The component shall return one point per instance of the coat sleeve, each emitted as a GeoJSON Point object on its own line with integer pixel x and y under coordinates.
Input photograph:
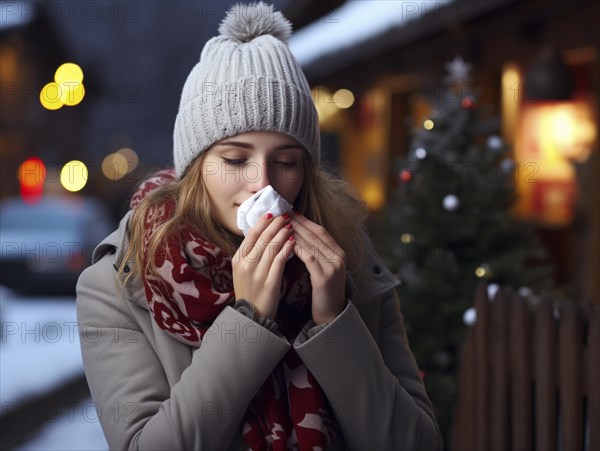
{"type": "Point", "coordinates": [374, 389]}
{"type": "Point", "coordinates": [137, 407]}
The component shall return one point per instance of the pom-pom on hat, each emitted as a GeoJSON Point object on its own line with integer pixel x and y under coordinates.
{"type": "Point", "coordinates": [247, 79]}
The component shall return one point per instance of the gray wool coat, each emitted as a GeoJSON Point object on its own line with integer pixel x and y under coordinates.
{"type": "Point", "coordinates": [154, 392]}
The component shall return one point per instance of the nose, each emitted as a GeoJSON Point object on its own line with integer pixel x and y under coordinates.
{"type": "Point", "coordinates": [259, 178]}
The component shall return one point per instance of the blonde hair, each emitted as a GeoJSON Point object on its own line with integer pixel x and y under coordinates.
{"type": "Point", "coordinates": [324, 199]}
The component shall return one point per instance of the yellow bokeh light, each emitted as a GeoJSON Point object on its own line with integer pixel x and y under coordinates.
{"type": "Point", "coordinates": [114, 166]}
{"type": "Point", "coordinates": [131, 157]}
{"type": "Point", "coordinates": [373, 194]}
{"type": "Point", "coordinates": [480, 272]}
{"type": "Point", "coordinates": [71, 92]}
{"type": "Point", "coordinates": [406, 238]}
{"type": "Point", "coordinates": [571, 128]}
{"type": "Point", "coordinates": [324, 103]}
{"type": "Point", "coordinates": [74, 175]}
{"type": "Point", "coordinates": [344, 97]}
{"type": "Point", "coordinates": [50, 96]}
{"type": "Point", "coordinates": [68, 72]}
{"type": "Point", "coordinates": [321, 94]}
{"type": "Point", "coordinates": [428, 124]}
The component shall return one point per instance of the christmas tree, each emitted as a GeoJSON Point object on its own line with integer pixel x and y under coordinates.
{"type": "Point", "coordinates": [449, 227]}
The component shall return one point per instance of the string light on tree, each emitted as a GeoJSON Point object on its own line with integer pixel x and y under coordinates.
{"type": "Point", "coordinates": [406, 238]}
{"type": "Point", "coordinates": [483, 271]}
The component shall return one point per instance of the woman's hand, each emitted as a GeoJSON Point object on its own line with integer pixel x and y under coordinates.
{"type": "Point", "coordinates": [258, 264]}
{"type": "Point", "coordinates": [326, 263]}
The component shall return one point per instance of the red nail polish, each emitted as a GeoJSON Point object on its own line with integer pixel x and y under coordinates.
{"type": "Point", "coordinates": [268, 216]}
{"type": "Point", "coordinates": [291, 238]}
{"type": "Point", "coordinates": [288, 226]}
{"type": "Point", "coordinates": [297, 213]}
{"type": "Point", "coordinates": [286, 216]}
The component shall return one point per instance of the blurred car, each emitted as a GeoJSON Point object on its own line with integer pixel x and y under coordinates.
{"type": "Point", "coordinates": [45, 246]}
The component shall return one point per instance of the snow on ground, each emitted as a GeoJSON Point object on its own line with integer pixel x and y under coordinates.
{"type": "Point", "coordinates": [39, 345]}
{"type": "Point", "coordinates": [39, 351]}
{"type": "Point", "coordinates": [76, 429]}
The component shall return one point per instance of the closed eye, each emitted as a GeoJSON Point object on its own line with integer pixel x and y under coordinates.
{"type": "Point", "coordinates": [234, 162]}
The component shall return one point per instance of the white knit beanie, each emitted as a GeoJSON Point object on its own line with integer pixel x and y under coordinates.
{"type": "Point", "coordinates": [247, 79]}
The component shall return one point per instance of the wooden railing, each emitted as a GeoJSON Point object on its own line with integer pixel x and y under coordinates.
{"type": "Point", "coordinates": [529, 378]}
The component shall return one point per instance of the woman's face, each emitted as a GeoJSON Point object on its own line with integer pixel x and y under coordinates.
{"type": "Point", "coordinates": [237, 167]}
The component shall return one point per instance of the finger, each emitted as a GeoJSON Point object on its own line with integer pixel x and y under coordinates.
{"type": "Point", "coordinates": [329, 252]}
{"type": "Point", "coordinates": [261, 234]}
{"type": "Point", "coordinates": [273, 247]}
{"type": "Point", "coordinates": [254, 233]}
{"type": "Point", "coordinates": [281, 258]}
{"type": "Point", "coordinates": [304, 232]}
{"type": "Point", "coordinates": [313, 227]}
{"type": "Point", "coordinates": [270, 233]}
{"type": "Point", "coordinates": [315, 232]}
{"type": "Point", "coordinates": [310, 257]}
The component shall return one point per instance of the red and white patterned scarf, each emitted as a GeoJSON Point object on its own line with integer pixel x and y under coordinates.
{"type": "Point", "coordinates": [194, 285]}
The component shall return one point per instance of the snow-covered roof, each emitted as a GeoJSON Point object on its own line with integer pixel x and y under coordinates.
{"type": "Point", "coordinates": [360, 29]}
{"type": "Point", "coordinates": [354, 22]}
{"type": "Point", "coordinates": [13, 14]}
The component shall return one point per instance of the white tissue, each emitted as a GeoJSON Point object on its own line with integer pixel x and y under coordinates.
{"type": "Point", "coordinates": [264, 201]}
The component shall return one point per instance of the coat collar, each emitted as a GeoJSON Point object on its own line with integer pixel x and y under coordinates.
{"type": "Point", "coordinates": [366, 284]}
{"type": "Point", "coordinates": [116, 243]}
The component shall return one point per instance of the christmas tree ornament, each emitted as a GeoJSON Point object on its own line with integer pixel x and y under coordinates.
{"type": "Point", "coordinates": [451, 202]}
{"type": "Point", "coordinates": [470, 316]}
{"type": "Point", "coordinates": [495, 143]}
{"type": "Point", "coordinates": [525, 292]}
{"type": "Point", "coordinates": [492, 289]}
{"type": "Point", "coordinates": [468, 103]}
{"type": "Point", "coordinates": [507, 165]}
{"type": "Point", "coordinates": [405, 175]}
{"type": "Point", "coordinates": [420, 153]}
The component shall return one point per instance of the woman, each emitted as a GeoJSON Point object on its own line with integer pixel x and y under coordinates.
{"type": "Point", "coordinates": [195, 336]}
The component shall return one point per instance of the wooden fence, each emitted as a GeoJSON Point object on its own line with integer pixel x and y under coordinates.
{"type": "Point", "coordinates": [529, 379]}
